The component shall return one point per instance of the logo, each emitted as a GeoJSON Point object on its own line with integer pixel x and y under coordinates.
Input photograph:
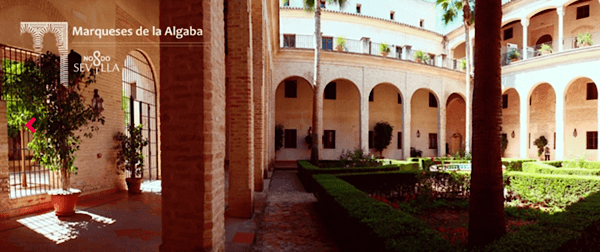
{"type": "Point", "coordinates": [97, 62]}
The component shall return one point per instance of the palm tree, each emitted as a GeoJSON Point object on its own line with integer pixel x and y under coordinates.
{"type": "Point", "coordinates": [310, 5]}
{"type": "Point", "coordinates": [451, 10]}
{"type": "Point", "coordinates": [486, 213]}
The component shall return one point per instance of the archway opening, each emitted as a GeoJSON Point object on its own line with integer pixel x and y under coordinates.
{"type": "Point", "coordinates": [581, 119]}
{"type": "Point", "coordinates": [455, 124]}
{"type": "Point", "coordinates": [542, 122]}
{"type": "Point", "coordinates": [385, 105]}
{"type": "Point", "coordinates": [341, 106]}
{"type": "Point", "coordinates": [511, 122]}
{"type": "Point", "coordinates": [424, 122]}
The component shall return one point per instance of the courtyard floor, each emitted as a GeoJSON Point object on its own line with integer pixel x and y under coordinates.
{"type": "Point", "coordinates": [285, 220]}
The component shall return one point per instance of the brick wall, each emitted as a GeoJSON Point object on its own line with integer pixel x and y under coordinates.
{"type": "Point", "coordinates": [258, 92]}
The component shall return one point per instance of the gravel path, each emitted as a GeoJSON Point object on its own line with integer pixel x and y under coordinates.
{"type": "Point", "coordinates": [290, 221]}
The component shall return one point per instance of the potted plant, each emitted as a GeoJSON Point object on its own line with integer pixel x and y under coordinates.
{"type": "Point", "coordinates": [540, 143]}
{"type": "Point", "coordinates": [340, 44]}
{"type": "Point", "coordinates": [129, 155]}
{"type": "Point", "coordinates": [546, 49]}
{"type": "Point", "coordinates": [61, 114]}
{"type": "Point", "coordinates": [504, 145]}
{"type": "Point", "coordinates": [383, 136]}
{"type": "Point", "coordinates": [384, 49]}
{"type": "Point", "coordinates": [514, 56]}
{"type": "Point", "coordinates": [421, 57]}
{"type": "Point", "coordinates": [463, 64]}
{"type": "Point", "coordinates": [585, 39]}
{"type": "Point", "coordinates": [278, 137]}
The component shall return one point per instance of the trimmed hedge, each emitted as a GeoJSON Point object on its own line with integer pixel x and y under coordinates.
{"type": "Point", "coordinates": [566, 231]}
{"type": "Point", "coordinates": [553, 190]}
{"type": "Point", "coordinates": [541, 168]}
{"type": "Point", "coordinates": [306, 170]}
{"type": "Point", "coordinates": [365, 224]}
{"type": "Point", "coordinates": [555, 163]}
{"type": "Point", "coordinates": [581, 164]}
{"type": "Point", "coordinates": [515, 164]}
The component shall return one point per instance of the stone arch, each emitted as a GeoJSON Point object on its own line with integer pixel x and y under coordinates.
{"type": "Point", "coordinates": [510, 20]}
{"type": "Point", "coordinates": [455, 123]}
{"type": "Point", "coordinates": [387, 106]}
{"type": "Point", "coordinates": [511, 121]}
{"type": "Point", "coordinates": [540, 9]}
{"type": "Point", "coordinates": [341, 118]}
{"type": "Point", "coordinates": [541, 114]}
{"type": "Point", "coordinates": [425, 122]}
{"type": "Point", "coordinates": [581, 116]}
{"type": "Point", "coordinates": [544, 39]}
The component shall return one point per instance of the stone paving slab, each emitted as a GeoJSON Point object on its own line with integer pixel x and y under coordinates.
{"type": "Point", "coordinates": [290, 221]}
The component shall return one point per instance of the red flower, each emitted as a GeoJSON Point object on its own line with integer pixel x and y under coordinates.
{"type": "Point", "coordinates": [441, 229]}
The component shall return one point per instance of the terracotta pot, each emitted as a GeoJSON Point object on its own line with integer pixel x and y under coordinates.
{"type": "Point", "coordinates": [64, 202]}
{"type": "Point", "coordinates": [584, 44]}
{"type": "Point", "coordinates": [339, 48]}
{"type": "Point", "coordinates": [133, 185]}
{"type": "Point", "coordinates": [419, 60]}
{"type": "Point", "coordinates": [384, 54]}
{"type": "Point", "coordinates": [546, 52]}
{"type": "Point", "coordinates": [513, 60]}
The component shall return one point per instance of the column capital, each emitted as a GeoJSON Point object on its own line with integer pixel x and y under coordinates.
{"type": "Point", "coordinates": [560, 10]}
{"type": "Point", "coordinates": [525, 22]}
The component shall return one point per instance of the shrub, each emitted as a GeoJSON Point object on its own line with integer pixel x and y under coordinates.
{"type": "Point", "coordinates": [585, 38]}
{"type": "Point", "coordinates": [357, 158]}
{"type": "Point", "coordinates": [541, 168]}
{"type": "Point", "coordinates": [422, 56]}
{"type": "Point", "coordinates": [540, 143]}
{"type": "Point", "coordinates": [463, 64]}
{"type": "Point", "coordinates": [383, 48]}
{"type": "Point", "coordinates": [546, 48]}
{"type": "Point", "coordinates": [555, 163]}
{"type": "Point", "coordinates": [514, 55]}
{"type": "Point", "coordinates": [415, 153]}
{"type": "Point", "coordinates": [341, 41]}
{"type": "Point", "coordinates": [515, 164]}
{"type": "Point", "coordinates": [383, 136]}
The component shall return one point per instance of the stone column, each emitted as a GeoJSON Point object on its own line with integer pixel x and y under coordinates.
{"type": "Point", "coordinates": [406, 131]}
{"type": "Point", "coordinates": [523, 115]}
{"type": "Point", "coordinates": [259, 90]}
{"type": "Point", "coordinates": [192, 128]}
{"type": "Point", "coordinates": [364, 122]}
{"type": "Point", "coordinates": [442, 128]}
{"type": "Point", "coordinates": [241, 128]}
{"type": "Point", "coordinates": [561, 14]}
{"type": "Point", "coordinates": [524, 23]}
{"type": "Point", "coordinates": [560, 125]}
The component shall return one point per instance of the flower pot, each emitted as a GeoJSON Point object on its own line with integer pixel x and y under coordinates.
{"type": "Point", "coordinates": [64, 202]}
{"type": "Point", "coordinates": [384, 54]}
{"type": "Point", "coordinates": [585, 44]}
{"type": "Point", "coordinates": [546, 52]}
{"type": "Point", "coordinates": [419, 60]}
{"type": "Point", "coordinates": [339, 48]}
{"type": "Point", "coordinates": [513, 60]}
{"type": "Point", "coordinates": [133, 185]}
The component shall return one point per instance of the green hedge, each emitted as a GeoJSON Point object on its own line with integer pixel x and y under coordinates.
{"type": "Point", "coordinates": [555, 163]}
{"type": "Point", "coordinates": [361, 223]}
{"type": "Point", "coordinates": [565, 231]}
{"type": "Point", "coordinates": [306, 170]}
{"type": "Point", "coordinates": [581, 164]}
{"type": "Point", "coordinates": [554, 190]}
{"type": "Point", "coordinates": [542, 168]}
{"type": "Point", "coordinates": [515, 164]}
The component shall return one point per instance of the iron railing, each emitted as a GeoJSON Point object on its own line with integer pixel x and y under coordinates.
{"type": "Point", "coordinates": [26, 176]}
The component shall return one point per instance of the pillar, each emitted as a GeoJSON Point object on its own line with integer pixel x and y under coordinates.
{"type": "Point", "coordinates": [259, 88]}
{"type": "Point", "coordinates": [598, 124]}
{"type": "Point", "coordinates": [561, 14]}
{"type": "Point", "coordinates": [523, 115]}
{"type": "Point", "coordinates": [524, 23]}
{"type": "Point", "coordinates": [406, 131]}
{"type": "Point", "coordinates": [4, 178]}
{"type": "Point", "coordinates": [442, 128]}
{"type": "Point", "coordinates": [364, 121]}
{"type": "Point", "coordinates": [241, 131]}
{"type": "Point", "coordinates": [560, 125]}
{"type": "Point", "coordinates": [192, 136]}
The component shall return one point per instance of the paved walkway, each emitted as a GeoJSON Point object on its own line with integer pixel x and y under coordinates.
{"type": "Point", "coordinates": [290, 221]}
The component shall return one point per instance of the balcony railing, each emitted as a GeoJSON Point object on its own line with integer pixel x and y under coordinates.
{"type": "Point", "coordinates": [363, 46]}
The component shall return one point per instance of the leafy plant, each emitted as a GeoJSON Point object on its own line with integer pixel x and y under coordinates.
{"type": "Point", "coordinates": [383, 136]}
{"type": "Point", "coordinates": [341, 41]}
{"type": "Point", "coordinates": [308, 138]}
{"type": "Point", "coordinates": [125, 107]}
{"type": "Point", "coordinates": [129, 150]}
{"type": "Point", "coordinates": [463, 64]}
{"type": "Point", "coordinates": [584, 38]}
{"type": "Point", "coordinates": [514, 55]}
{"type": "Point", "coordinates": [540, 143]}
{"type": "Point", "coordinates": [415, 153]}
{"type": "Point", "coordinates": [424, 57]}
{"type": "Point", "coordinates": [504, 144]}
{"type": "Point", "coordinates": [384, 48]}
{"type": "Point", "coordinates": [60, 112]}
{"type": "Point", "coordinates": [358, 158]}
{"type": "Point", "coordinates": [278, 137]}
{"type": "Point", "coordinates": [545, 48]}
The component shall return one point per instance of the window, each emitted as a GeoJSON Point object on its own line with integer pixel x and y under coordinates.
{"type": "Point", "coordinates": [322, 4]}
{"type": "Point", "coordinates": [289, 41]}
{"type": "Point", "coordinates": [431, 59]}
{"type": "Point", "coordinates": [399, 99]}
{"type": "Point", "coordinates": [330, 91]}
{"type": "Point", "coordinates": [504, 101]}
{"type": "Point", "coordinates": [421, 23]}
{"type": "Point", "coordinates": [290, 138]}
{"type": "Point", "coordinates": [508, 33]}
{"type": "Point", "coordinates": [290, 89]}
{"type": "Point", "coordinates": [329, 139]}
{"type": "Point", "coordinates": [371, 139]}
{"type": "Point", "coordinates": [399, 140]}
{"type": "Point", "coordinates": [432, 101]}
{"type": "Point", "coordinates": [371, 96]}
{"type": "Point", "coordinates": [327, 43]}
{"type": "Point", "coordinates": [432, 141]}
{"type": "Point", "coordinates": [358, 8]}
{"type": "Point", "coordinates": [583, 11]}
{"type": "Point", "coordinates": [398, 52]}
{"type": "Point", "coordinates": [592, 92]}
{"type": "Point", "coordinates": [592, 140]}
{"type": "Point", "coordinates": [392, 15]}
